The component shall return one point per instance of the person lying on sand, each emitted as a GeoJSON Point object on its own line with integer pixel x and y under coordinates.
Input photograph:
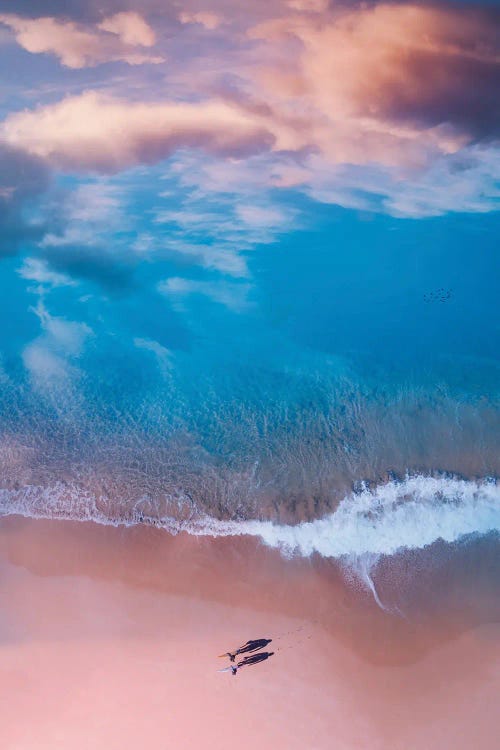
{"type": "Point", "coordinates": [249, 646]}
{"type": "Point", "coordinates": [248, 660]}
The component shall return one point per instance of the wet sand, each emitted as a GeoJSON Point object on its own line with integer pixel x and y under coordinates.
{"type": "Point", "coordinates": [109, 639]}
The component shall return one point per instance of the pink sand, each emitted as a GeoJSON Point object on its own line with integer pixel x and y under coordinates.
{"type": "Point", "coordinates": [110, 640]}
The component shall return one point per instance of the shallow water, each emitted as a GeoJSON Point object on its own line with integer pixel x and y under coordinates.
{"type": "Point", "coordinates": [123, 406]}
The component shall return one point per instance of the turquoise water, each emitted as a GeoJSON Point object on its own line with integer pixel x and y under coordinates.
{"type": "Point", "coordinates": [362, 350]}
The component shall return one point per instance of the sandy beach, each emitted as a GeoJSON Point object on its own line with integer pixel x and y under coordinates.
{"type": "Point", "coordinates": [110, 640]}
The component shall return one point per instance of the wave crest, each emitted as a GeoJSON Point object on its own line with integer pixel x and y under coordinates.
{"type": "Point", "coordinates": [390, 518]}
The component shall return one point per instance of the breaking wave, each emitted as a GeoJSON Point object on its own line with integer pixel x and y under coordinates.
{"type": "Point", "coordinates": [384, 520]}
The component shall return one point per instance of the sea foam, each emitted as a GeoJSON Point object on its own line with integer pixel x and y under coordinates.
{"type": "Point", "coordinates": [384, 520]}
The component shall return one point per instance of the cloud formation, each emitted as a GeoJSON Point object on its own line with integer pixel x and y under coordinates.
{"type": "Point", "coordinates": [391, 83]}
{"type": "Point", "coordinates": [387, 83]}
{"type": "Point", "coordinates": [78, 46]}
{"type": "Point", "coordinates": [50, 358]}
{"type": "Point", "coordinates": [162, 355]}
{"type": "Point", "coordinates": [38, 270]}
{"type": "Point", "coordinates": [354, 104]}
{"type": "Point", "coordinates": [221, 211]}
{"type": "Point", "coordinates": [230, 294]}
{"type": "Point", "coordinates": [131, 28]}
{"type": "Point", "coordinates": [206, 19]}
{"type": "Point", "coordinates": [97, 132]}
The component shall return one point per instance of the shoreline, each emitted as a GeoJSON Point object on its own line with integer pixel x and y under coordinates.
{"type": "Point", "coordinates": [133, 620]}
{"type": "Point", "coordinates": [398, 516]}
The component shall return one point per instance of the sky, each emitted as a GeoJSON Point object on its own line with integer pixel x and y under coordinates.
{"type": "Point", "coordinates": [244, 208]}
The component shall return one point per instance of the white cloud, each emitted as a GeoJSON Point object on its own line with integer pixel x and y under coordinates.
{"type": "Point", "coordinates": [464, 182]}
{"type": "Point", "coordinates": [46, 368]}
{"type": "Point", "coordinates": [218, 257]}
{"type": "Point", "coordinates": [231, 295]}
{"type": "Point", "coordinates": [49, 358]}
{"type": "Point", "coordinates": [91, 212]}
{"type": "Point", "coordinates": [262, 217]}
{"type": "Point", "coordinates": [36, 269]}
{"type": "Point", "coordinates": [144, 244]}
{"type": "Point", "coordinates": [162, 355]}
{"type": "Point", "coordinates": [65, 336]}
{"type": "Point", "coordinates": [223, 210]}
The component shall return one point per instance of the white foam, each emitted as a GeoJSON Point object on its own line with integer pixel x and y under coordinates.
{"type": "Point", "coordinates": [411, 514]}
{"type": "Point", "coordinates": [398, 515]}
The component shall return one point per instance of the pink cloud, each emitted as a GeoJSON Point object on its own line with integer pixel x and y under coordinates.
{"type": "Point", "coordinates": [97, 132]}
{"type": "Point", "coordinates": [318, 87]}
{"type": "Point", "coordinates": [309, 6]}
{"type": "Point", "coordinates": [386, 73]}
{"type": "Point", "coordinates": [80, 46]}
{"type": "Point", "coordinates": [392, 84]}
{"type": "Point", "coordinates": [131, 28]}
{"type": "Point", "coordinates": [207, 19]}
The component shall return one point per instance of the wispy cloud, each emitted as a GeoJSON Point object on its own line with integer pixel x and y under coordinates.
{"type": "Point", "coordinates": [466, 181]}
{"type": "Point", "coordinates": [50, 358]}
{"type": "Point", "coordinates": [38, 270]}
{"type": "Point", "coordinates": [78, 46]}
{"type": "Point", "coordinates": [162, 355]}
{"type": "Point", "coordinates": [223, 210]}
{"type": "Point", "coordinates": [88, 214]}
{"type": "Point", "coordinates": [230, 294]}
{"type": "Point", "coordinates": [207, 19]}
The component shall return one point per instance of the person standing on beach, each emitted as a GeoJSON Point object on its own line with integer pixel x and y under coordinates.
{"type": "Point", "coordinates": [248, 647]}
{"type": "Point", "coordinates": [249, 660]}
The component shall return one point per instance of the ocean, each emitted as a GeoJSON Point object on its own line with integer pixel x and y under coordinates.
{"type": "Point", "coordinates": [342, 401]}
